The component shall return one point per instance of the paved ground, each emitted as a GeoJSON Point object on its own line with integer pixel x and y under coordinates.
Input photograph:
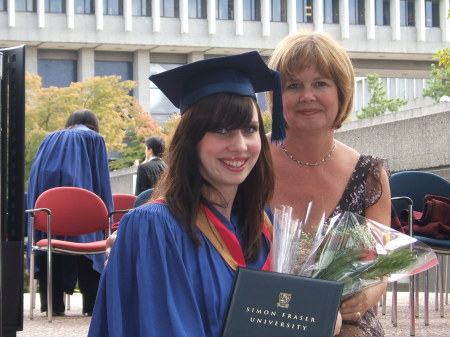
{"type": "Point", "coordinates": [73, 324]}
{"type": "Point", "coordinates": [439, 327]}
{"type": "Point", "coordinates": [76, 325]}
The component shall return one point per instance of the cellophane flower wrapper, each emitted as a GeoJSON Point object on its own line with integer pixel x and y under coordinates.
{"type": "Point", "coordinates": [348, 248]}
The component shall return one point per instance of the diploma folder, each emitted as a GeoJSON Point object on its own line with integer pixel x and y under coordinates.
{"type": "Point", "coordinates": [269, 304]}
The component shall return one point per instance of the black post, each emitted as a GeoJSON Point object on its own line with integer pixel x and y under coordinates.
{"type": "Point", "coordinates": [12, 162]}
{"type": "Point", "coordinates": [1, 224]}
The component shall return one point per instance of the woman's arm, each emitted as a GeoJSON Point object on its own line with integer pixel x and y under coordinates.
{"type": "Point", "coordinates": [381, 210]}
{"type": "Point", "coordinates": [356, 306]}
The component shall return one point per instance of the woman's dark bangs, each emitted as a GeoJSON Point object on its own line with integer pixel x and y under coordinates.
{"type": "Point", "coordinates": [234, 112]}
{"type": "Point", "coordinates": [222, 111]}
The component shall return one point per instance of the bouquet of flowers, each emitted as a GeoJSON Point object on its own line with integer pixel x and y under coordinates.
{"type": "Point", "coordinates": [348, 248]}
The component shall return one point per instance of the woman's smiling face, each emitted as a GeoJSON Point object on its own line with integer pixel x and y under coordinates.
{"type": "Point", "coordinates": [228, 156]}
{"type": "Point", "coordinates": [310, 100]}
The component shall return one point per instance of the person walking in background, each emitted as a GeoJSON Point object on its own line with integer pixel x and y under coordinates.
{"type": "Point", "coordinates": [151, 169]}
{"type": "Point", "coordinates": [310, 165]}
{"type": "Point", "coordinates": [74, 156]}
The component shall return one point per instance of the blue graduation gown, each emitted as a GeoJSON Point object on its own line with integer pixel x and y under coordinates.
{"type": "Point", "coordinates": [71, 157]}
{"type": "Point", "coordinates": [158, 283]}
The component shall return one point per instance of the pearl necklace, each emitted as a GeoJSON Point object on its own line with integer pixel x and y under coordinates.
{"type": "Point", "coordinates": [323, 160]}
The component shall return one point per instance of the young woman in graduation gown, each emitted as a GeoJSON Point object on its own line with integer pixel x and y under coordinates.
{"type": "Point", "coordinates": [171, 268]}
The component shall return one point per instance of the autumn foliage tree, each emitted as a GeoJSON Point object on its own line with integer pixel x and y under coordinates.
{"type": "Point", "coordinates": [123, 123]}
{"type": "Point", "coordinates": [135, 138]}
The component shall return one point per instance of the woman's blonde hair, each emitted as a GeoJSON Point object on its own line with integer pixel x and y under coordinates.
{"type": "Point", "coordinates": [303, 50]}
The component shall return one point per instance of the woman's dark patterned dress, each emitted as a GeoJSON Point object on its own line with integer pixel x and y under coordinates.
{"type": "Point", "coordinates": [363, 190]}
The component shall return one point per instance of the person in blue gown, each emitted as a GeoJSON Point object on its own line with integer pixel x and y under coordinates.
{"type": "Point", "coordinates": [172, 266]}
{"type": "Point", "coordinates": [73, 156]}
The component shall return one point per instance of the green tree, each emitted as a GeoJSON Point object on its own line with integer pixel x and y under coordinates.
{"type": "Point", "coordinates": [438, 84]}
{"type": "Point", "coordinates": [378, 103]}
{"type": "Point", "coordinates": [443, 55]}
{"type": "Point", "coordinates": [120, 116]}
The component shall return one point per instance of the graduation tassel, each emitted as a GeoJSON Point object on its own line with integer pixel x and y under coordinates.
{"type": "Point", "coordinates": [278, 123]}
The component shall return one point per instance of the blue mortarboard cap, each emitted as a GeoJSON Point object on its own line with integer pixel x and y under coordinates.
{"type": "Point", "coordinates": [243, 74]}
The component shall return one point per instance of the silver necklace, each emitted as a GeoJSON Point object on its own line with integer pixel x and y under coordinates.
{"type": "Point", "coordinates": [323, 160]}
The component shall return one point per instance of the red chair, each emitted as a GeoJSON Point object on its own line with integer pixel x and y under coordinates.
{"type": "Point", "coordinates": [122, 204]}
{"type": "Point", "coordinates": [66, 211]}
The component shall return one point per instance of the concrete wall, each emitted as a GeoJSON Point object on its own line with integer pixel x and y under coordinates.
{"type": "Point", "coordinates": [416, 139]}
{"type": "Point", "coordinates": [123, 181]}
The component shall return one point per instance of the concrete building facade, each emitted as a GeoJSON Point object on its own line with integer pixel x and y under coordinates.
{"type": "Point", "coordinates": [72, 40]}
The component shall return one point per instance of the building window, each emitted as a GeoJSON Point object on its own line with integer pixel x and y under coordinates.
{"type": "Point", "coordinates": [331, 11]}
{"type": "Point", "coordinates": [170, 9]}
{"type": "Point", "coordinates": [197, 9]}
{"type": "Point", "coordinates": [116, 68]}
{"type": "Point", "coordinates": [382, 13]}
{"type": "Point", "coordinates": [141, 7]}
{"type": "Point", "coordinates": [55, 6]}
{"type": "Point", "coordinates": [407, 13]}
{"type": "Point", "coordinates": [160, 106]}
{"type": "Point", "coordinates": [25, 5]}
{"type": "Point", "coordinates": [252, 10]}
{"type": "Point", "coordinates": [356, 12]}
{"type": "Point", "coordinates": [57, 73]}
{"type": "Point", "coordinates": [225, 10]}
{"type": "Point", "coordinates": [279, 8]}
{"type": "Point", "coordinates": [261, 99]}
{"type": "Point", "coordinates": [119, 68]}
{"type": "Point", "coordinates": [431, 13]}
{"type": "Point", "coordinates": [3, 6]}
{"type": "Point", "coordinates": [84, 6]}
{"type": "Point", "coordinates": [112, 7]}
{"type": "Point", "coordinates": [304, 11]}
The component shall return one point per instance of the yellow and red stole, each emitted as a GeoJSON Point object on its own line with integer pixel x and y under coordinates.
{"type": "Point", "coordinates": [225, 242]}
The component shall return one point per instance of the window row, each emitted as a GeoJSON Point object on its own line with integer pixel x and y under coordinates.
{"type": "Point", "coordinates": [61, 73]}
{"type": "Point", "coordinates": [252, 10]}
{"type": "Point", "coordinates": [406, 88]}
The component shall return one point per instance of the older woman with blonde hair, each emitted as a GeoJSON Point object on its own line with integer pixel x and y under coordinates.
{"type": "Point", "coordinates": [311, 165]}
